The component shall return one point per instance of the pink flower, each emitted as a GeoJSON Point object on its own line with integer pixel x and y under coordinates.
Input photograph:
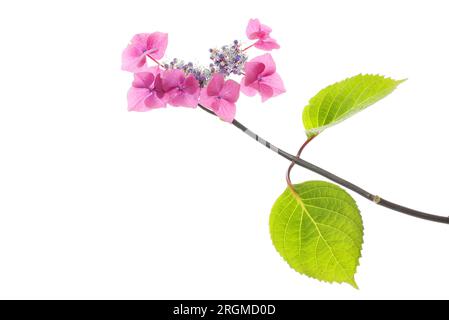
{"type": "Point", "coordinates": [260, 76]}
{"type": "Point", "coordinates": [221, 96]}
{"type": "Point", "coordinates": [261, 32]}
{"type": "Point", "coordinates": [146, 92]}
{"type": "Point", "coordinates": [141, 46]}
{"type": "Point", "coordinates": [181, 91]}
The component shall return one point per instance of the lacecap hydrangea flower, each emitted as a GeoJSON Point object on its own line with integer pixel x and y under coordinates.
{"type": "Point", "coordinates": [261, 77]}
{"type": "Point", "coordinates": [261, 33]}
{"type": "Point", "coordinates": [144, 45]}
{"type": "Point", "coordinates": [183, 84]}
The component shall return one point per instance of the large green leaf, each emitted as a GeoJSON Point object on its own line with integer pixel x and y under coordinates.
{"type": "Point", "coordinates": [343, 99]}
{"type": "Point", "coordinates": [318, 230]}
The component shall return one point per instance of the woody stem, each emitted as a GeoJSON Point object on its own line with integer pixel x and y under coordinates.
{"type": "Point", "coordinates": [300, 162]}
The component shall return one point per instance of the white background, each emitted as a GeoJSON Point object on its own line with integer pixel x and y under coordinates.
{"type": "Point", "coordinates": [96, 202]}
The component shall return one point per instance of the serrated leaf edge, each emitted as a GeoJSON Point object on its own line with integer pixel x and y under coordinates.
{"type": "Point", "coordinates": [315, 131]}
{"type": "Point", "coordinates": [351, 282]}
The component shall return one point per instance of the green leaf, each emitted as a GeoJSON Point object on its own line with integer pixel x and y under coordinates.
{"type": "Point", "coordinates": [343, 99]}
{"type": "Point", "coordinates": [319, 231]}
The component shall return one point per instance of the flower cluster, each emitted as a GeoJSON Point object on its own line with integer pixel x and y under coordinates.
{"type": "Point", "coordinates": [203, 75]}
{"type": "Point", "coordinates": [182, 84]}
{"type": "Point", "coordinates": [229, 59]}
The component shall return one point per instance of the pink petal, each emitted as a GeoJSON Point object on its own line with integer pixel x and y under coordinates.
{"type": "Point", "coordinates": [172, 79]}
{"type": "Point", "coordinates": [256, 30]}
{"type": "Point", "coordinates": [191, 85]}
{"type": "Point", "coordinates": [134, 56]}
{"type": "Point", "coordinates": [268, 62]}
{"type": "Point", "coordinates": [224, 109]}
{"type": "Point", "coordinates": [157, 44]}
{"type": "Point", "coordinates": [252, 29]}
{"type": "Point", "coordinates": [207, 100]}
{"type": "Point", "coordinates": [265, 29]}
{"type": "Point", "coordinates": [266, 92]}
{"type": "Point", "coordinates": [186, 94]}
{"type": "Point", "coordinates": [158, 87]}
{"type": "Point", "coordinates": [143, 80]}
{"type": "Point", "coordinates": [153, 102]}
{"type": "Point", "coordinates": [275, 82]}
{"type": "Point", "coordinates": [249, 90]}
{"type": "Point", "coordinates": [267, 44]}
{"type": "Point", "coordinates": [215, 85]}
{"type": "Point", "coordinates": [230, 91]}
{"type": "Point", "coordinates": [183, 99]}
{"type": "Point", "coordinates": [136, 99]}
{"type": "Point", "coordinates": [133, 59]}
{"type": "Point", "coordinates": [140, 40]}
{"type": "Point", "coordinates": [252, 71]}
